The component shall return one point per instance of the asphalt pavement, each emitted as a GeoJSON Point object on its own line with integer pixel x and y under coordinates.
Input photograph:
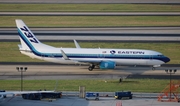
{"type": "Point", "coordinates": [76, 101]}
{"type": "Point", "coordinates": [45, 72]}
{"type": "Point", "coordinates": [123, 34]}
{"type": "Point", "coordinates": [95, 1]}
{"type": "Point", "coordinates": [89, 13]}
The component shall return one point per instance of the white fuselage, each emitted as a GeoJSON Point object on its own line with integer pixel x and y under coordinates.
{"type": "Point", "coordinates": [105, 58]}
{"type": "Point", "coordinates": [121, 56]}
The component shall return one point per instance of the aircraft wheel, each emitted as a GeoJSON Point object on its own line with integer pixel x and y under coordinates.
{"type": "Point", "coordinates": [90, 68]}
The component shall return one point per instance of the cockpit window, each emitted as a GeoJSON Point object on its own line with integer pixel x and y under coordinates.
{"type": "Point", "coordinates": [160, 55]}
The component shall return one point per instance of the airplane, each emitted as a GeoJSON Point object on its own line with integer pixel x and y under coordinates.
{"type": "Point", "coordinates": [104, 58]}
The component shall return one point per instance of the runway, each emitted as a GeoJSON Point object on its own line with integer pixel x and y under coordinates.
{"type": "Point", "coordinates": [94, 1]}
{"type": "Point", "coordinates": [89, 13]}
{"type": "Point", "coordinates": [123, 34]}
{"type": "Point", "coordinates": [54, 72]}
{"type": "Point", "coordinates": [90, 31]}
{"type": "Point", "coordinates": [76, 101]}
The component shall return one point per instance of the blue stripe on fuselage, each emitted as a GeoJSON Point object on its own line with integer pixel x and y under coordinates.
{"type": "Point", "coordinates": [87, 56]}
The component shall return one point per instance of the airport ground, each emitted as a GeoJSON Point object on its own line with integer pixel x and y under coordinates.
{"type": "Point", "coordinates": [94, 1]}
{"type": "Point", "coordinates": [9, 72]}
{"type": "Point", "coordinates": [46, 72]}
{"type": "Point", "coordinates": [76, 101]}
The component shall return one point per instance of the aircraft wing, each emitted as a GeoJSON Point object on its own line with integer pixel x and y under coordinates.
{"type": "Point", "coordinates": [80, 61]}
{"type": "Point", "coordinates": [89, 61]}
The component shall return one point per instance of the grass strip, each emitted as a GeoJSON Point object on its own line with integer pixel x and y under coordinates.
{"type": "Point", "coordinates": [9, 51]}
{"type": "Point", "coordinates": [98, 85]}
{"type": "Point", "coordinates": [90, 7]}
{"type": "Point", "coordinates": [91, 21]}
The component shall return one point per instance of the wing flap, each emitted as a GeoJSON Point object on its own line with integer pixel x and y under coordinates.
{"type": "Point", "coordinates": [88, 61]}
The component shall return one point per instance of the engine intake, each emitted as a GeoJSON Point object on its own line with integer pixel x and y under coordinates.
{"type": "Point", "coordinates": [107, 65]}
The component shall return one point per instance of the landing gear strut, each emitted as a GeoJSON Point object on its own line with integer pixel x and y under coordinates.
{"type": "Point", "coordinates": [91, 67]}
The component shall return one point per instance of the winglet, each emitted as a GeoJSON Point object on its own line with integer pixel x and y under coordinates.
{"type": "Point", "coordinates": [76, 44]}
{"type": "Point", "coordinates": [64, 55]}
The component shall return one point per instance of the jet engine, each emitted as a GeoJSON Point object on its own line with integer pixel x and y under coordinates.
{"type": "Point", "coordinates": [107, 65]}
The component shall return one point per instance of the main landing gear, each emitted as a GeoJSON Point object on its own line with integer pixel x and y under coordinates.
{"type": "Point", "coordinates": [91, 67]}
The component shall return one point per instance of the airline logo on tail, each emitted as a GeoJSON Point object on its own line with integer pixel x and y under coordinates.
{"type": "Point", "coordinates": [29, 35]}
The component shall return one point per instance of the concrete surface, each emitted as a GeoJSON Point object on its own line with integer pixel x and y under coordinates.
{"type": "Point", "coordinates": [89, 13]}
{"type": "Point", "coordinates": [81, 72]}
{"type": "Point", "coordinates": [94, 1]}
{"type": "Point", "coordinates": [75, 101]}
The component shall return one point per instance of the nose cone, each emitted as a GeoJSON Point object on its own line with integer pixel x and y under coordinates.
{"type": "Point", "coordinates": [166, 59]}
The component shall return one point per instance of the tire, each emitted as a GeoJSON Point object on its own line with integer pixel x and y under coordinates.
{"type": "Point", "coordinates": [90, 68]}
{"type": "Point", "coordinates": [97, 98]}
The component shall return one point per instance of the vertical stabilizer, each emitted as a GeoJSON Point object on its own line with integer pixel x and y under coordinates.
{"type": "Point", "coordinates": [27, 38]}
{"type": "Point", "coordinates": [23, 45]}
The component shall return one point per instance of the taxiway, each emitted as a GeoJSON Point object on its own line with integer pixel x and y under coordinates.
{"type": "Point", "coordinates": [9, 72]}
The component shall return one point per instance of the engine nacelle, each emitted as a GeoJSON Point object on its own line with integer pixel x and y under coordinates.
{"type": "Point", "coordinates": [107, 65]}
